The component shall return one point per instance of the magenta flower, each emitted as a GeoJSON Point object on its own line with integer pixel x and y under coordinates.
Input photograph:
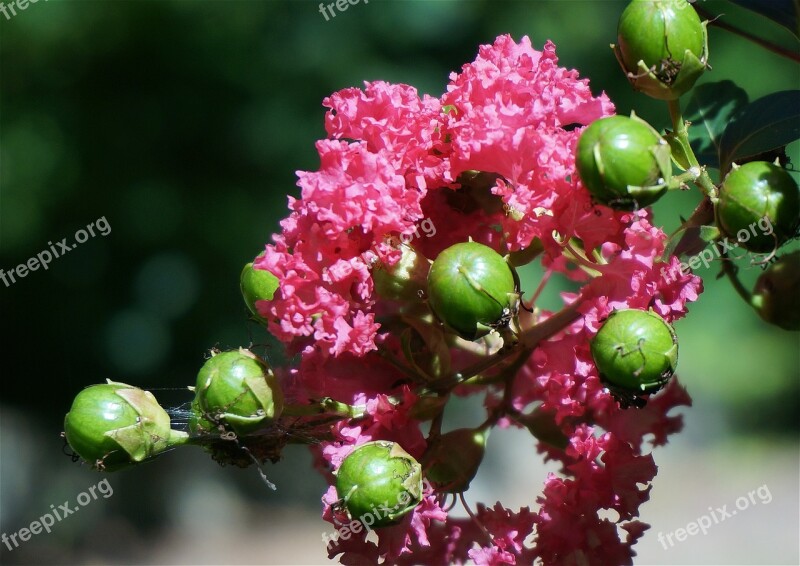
{"type": "Point", "coordinates": [492, 161]}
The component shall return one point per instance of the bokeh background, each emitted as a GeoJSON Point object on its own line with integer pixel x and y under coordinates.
{"type": "Point", "coordinates": [182, 123]}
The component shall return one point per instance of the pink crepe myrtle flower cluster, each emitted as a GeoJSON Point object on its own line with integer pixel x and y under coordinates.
{"type": "Point", "coordinates": [393, 158]}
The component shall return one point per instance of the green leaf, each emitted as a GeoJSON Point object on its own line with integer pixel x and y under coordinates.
{"type": "Point", "coordinates": [679, 150]}
{"type": "Point", "coordinates": [709, 110]}
{"type": "Point", "coordinates": [766, 124]}
{"type": "Point", "coordinates": [783, 12]}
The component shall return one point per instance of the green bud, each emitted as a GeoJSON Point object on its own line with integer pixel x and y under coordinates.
{"type": "Point", "coordinates": [376, 476]}
{"type": "Point", "coordinates": [470, 289]}
{"type": "Point", "coordinates": [427, 407]}
{"type": "Point", "coordinates": [425, 344]}
{"type": "Point", "coordinates": [404, 280]}
{"type": "Point", "coordinates": [662, 46]}
{"type": "Point", "coordinates": [452, 459]}
{"type": "Point", "coordinates": [257, 285]}
{"type": "Point", "coordinates": [776, 296]}
{"type": "Point", "coordinates": [235, 390]}
{"type": "Point", "coordinates": [759, 206]}
{"type": "Point", "coordinates": [623, 162]}
{"type": "Point", "coordinates": [542, 425]}
{"type": "Point", "coordinates": [636, 351]}
{"type": "Point", "coordinates": [114, 425]}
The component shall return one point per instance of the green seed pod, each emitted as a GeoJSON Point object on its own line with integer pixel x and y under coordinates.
{"type": "Point", "coordinates": [404, 280]}
{"type": "Point", "coordinates": [662, 46]}
{"type": "Point", "coordinates": [379, 483]}
{"type": "Point", "coordinates": [542, 425]}
{"type": "Point", "coordinates": [471, 288]}
{"type": "Point", "coordinates": [257, 285]}
{"type": "Point", "coordinates": [759, 206]}
{"type": "Point", "coordinates": [635, 351]}
{"type": "Point", "coordinates": [235, 390]}
{"type": "Point", "coordinates": [776, 296]}
{"type": "Point", "coordinates": [427, 407]}
{"type": "Point", "coordinates": [452, 459]}
{"type": "Point", "coordinates": [623, 162]}
{"type": "Point", "coordinates": [113, 425]}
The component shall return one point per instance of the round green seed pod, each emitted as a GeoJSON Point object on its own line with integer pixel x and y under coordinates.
{"type": "Point", "coordinates": [452, 459]}
{"type": "Point", "coordinates": [776, 296]}
{"type": "Point", "coordinates": [379, 483]}
{"type": "Point", "coordinates": [759, 206]}
{"type": "Point", "coordinates": [623, 162]}
{"type": "Point", "coordinates": [635, 351]}
{"type": "Point", "coordinates": [257, 285]}
{"type": "Point", "coordinates": [662, 47]}
{"type": "Point", "coordinates": [470, 287]}
{"type": "Point", "coordinates": [113, 425]}
{"type": "Point", "coordinates": [406, 279]}
{"type": "Point", "coordinates": [235, 390]}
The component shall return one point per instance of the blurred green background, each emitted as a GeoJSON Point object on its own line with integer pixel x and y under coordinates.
{"type": "Point", "coordinates": [182, 123]}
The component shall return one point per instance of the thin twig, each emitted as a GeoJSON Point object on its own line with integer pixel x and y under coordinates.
{"type": "Point", "coordinates": [731, 270]}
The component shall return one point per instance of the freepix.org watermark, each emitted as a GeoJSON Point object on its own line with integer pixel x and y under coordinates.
{"type": "Point", "coordinates": [340, 5]}
{"type": "Point", "coordinates": [44, 257]}
{"type": "Point", "coordinates": [725, 245]}
{"type": "Point", "coordinates": [714, 517]}
{"type": "Point", "coordinates": [428, 228]}
{"type": "Point", "coordinates": [365, 521]}
{"type": "Point", "coordinates": [14, 6]}
{"type": "Point", "coordinates": [46, 521]}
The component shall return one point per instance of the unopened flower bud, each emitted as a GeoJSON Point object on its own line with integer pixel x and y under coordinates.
{"type": "Point", "coordinates": [759, 206]}
{"type": "Point", "coordinates": [380, 480]}
{"type": "Point", "coordinates": [235, 389]}
{"type": "Point", "coordinates": [404, 280]}
{"type": "Point", "coordinates": [776, 296]}
{"type": "Point", "coordinates": [662, 46]}
{"type": "Point", "coordinates": [623, 162]}
{"type": "Point", "coordinates": [636, 351]}
{"type": "Point", "coordinates": [470, 288]}
{"type": "Point", "coordinates": [257, 285]}
{"type": "Point", "coordinates": [113, 425]}
{"type": "Point", "coordinates": [452, 459]}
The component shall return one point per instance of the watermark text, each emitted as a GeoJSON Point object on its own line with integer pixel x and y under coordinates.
{"type": "Point", "coordinates": [44, 257]}
{"type": "Point", "coordinates": [715, 516]}
{"type": "Point", "coordinates": [46, 521]}
{"type": "Point", "coordinates": [340, 5]}
{"type": "Point", "coordinates": [15, 5]}
{"type": "Point", "coordinates": [725, 246]}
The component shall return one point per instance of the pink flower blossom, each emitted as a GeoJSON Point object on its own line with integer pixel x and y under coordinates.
{"type": "Point", "coordinates": [491, 160]}
{"type": "Point", "coordinates": [506, 114]}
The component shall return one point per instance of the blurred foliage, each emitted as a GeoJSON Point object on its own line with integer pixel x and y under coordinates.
{"type": "Point", "coordinates": [183, 122]}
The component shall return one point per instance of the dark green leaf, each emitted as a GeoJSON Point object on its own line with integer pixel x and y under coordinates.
{"type": "Point", "coordinates": [768, 123]}
{"type": "Point", "coordinates": [783, 12]}
{"type": "Point", "coordinates": [709, 110]}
